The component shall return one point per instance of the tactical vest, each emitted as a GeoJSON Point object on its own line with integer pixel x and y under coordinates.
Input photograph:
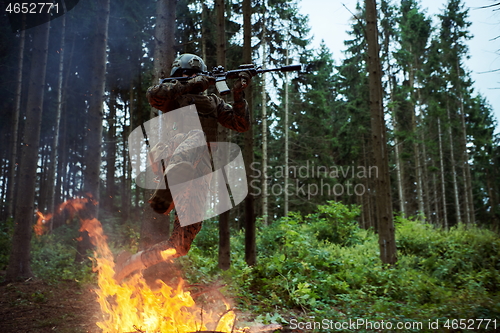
{"type": "Point", "coordinates": [207, 112]}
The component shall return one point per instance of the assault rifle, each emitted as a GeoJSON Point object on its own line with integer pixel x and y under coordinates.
{"type": "Point", "coordinates": [221, 76]}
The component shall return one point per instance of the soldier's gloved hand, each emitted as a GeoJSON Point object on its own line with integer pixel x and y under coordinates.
{"type": "Point", "coordinates": [159, 96]}
{"type": "Point", "coordinates": [243, 82]}
{"type": "Point", "coordinates": [200, 83]}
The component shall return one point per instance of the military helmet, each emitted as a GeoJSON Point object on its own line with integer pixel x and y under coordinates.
{"type": "Point", "coordinates": [187, 64]}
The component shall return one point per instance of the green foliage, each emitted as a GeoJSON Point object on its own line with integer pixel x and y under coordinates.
{"type": "Point", "coordinates": [336, 223]}
{"type": "Point", "coordinates": [209, 236]}
{"type": "Point", "coordinates": [53, 257]}
{"type": "Point", "coordinates": [455, 257]}
{"type": "Point", "coordinates": [323, 265]}
{"type": "Point", "coordinates": [6, 232]}
{"type": "Point", "coordinates": [121, 235]}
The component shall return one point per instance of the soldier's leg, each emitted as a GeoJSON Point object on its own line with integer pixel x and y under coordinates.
{"type": "Point", "coordinates": [189, 152]}
{"type": "Point", "coordinates": [185, 152]}
{"type": "Point", "coordinates": [180, 240]}
{"type": "Point", "coordinates": [181, 237]}
{"type": "Point", "coordinates": [191, 200]}
{"type": "Point", "coordinates": [161, 201]}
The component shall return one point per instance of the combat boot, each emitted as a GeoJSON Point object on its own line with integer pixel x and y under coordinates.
{"type": "Point", "coordinates": [161, 201]}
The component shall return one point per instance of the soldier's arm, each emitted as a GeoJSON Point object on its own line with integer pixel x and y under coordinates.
{"type": "Point", "coordinates": [236, 116]}
{"type": "Point", "coordinates": [161, 95]}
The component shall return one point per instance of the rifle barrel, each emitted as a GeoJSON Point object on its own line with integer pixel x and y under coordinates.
{"type": "Point", "coordinates": [290, 68]}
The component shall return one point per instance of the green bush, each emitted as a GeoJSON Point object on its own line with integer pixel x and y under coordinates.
{"type": "Point", "coordinates": [453, 257]}
{"type": "Point", "coordinates": [53, 257]}
{"type": "Point", "coordinates": [323, 265]}
{"type": "Point", "coordinates": [336, 223]}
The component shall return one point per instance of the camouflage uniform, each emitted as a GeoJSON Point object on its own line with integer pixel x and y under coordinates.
{"type": "Point", "coordinates": [211, 110]}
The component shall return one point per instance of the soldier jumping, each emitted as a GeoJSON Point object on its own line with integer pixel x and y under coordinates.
{"type": "Point", "coordinates": [184, 162]}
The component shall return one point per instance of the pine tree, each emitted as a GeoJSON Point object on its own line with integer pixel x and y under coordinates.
{"type": "Point", "coordinates": [19, 261]}
{"type": "Point", "coordinates": [415, 31]}
{"type": "Point", "coordinates": [250, 246]}
{"type": "Point", "coordinates": [59, 105]}
{"type": "Point", "coordinates": [314, 119]}
{"type": "Point", "coordinates": [453, 34]}
{"type": "Point", "coordinates": [224, 231]}
{"type": "Point", "coordinates": [385, 228]}
{"type": "Point", "coordinates": [353, 139]}
{"type": "Point", "coordinates": [15, 127]}
{"type": "Point", "coordinates": [155, 228]}
{"type": "Point", "coordinates": [485, 154]}
{"type": "Point", "coordinates": [95, 111]}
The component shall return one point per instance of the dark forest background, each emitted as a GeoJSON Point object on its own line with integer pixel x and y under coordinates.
{"type": "Point", "coordinates": [64, 121]}
{"type": "Point", "coordinates": [442, 146]}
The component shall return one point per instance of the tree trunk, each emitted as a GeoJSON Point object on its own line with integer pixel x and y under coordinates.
{"type": "Point", "coordinates": [466, 196]}
{"type": "Point", "coordinates": [250, 249]}
{"type": "Point", "coordinates": [467, 176]}
{"type": "Point", "coordinates": [367, 196]}
{"type": "Point", "coordinates": [424, 188]}
{"type": "Point", "coordinates": [224, 230]}
{"type": "Point", "coordinates": [97, 84]}
{"type": "Point", "coordinates": [465, 164]}
{"type": "Point", "coordinates": [204, 36]}
{"type": "Point", "coordinates": [443, 185]}
{"type": "Point", "coordinates": [63, 176]}
{"type": "Point", "coordinates": [164, 53]}
{"type": "Point", "coordinates": [137, 121]}
{"type": "Point", "coordinates": [111, 144]}
{"type": "Point", "coordinates": [387, 241]}
{"type": "Point", "coordinates": [397, 151]}
{"type": "Point", "coordinates": [19, 264]}
{"type": "Point", "coordinates": [93, 138]}
{"type": "Point", "coordinates": [493, 201]}
{"type": "Point", "coordinates": [125, 189]}
{"type": "Point", "coordinates": [41, 203]}
{"type": "Point", "coordinates": [62, 173]}
{"type": "Point", "coordinates": [264, 128]}
{"type": "Point", "coordinates": [128, 171]}
{"type": "Point", "coordinates": [15, 126]}
{"type": "Point", "coordinates": [4, 173]}
{"type": "Point", "coordinates": [286, 137]}
{"type": "Point", "coordinates": [435, 199]}
{"type": "Point", "coordinates": [425, 179]}
{"type": "Point", "coordinates": [453, 168]}
{"type": "Point", "coordinates": [416, 152]}
{"type": "Point", "coordinates": [55, 142]}
{"type": "Point", "coordinates": [155, 228]}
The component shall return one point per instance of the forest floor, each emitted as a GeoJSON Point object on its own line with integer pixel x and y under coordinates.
{"type": "Point", "coordinates": [37, 306]}
{"type": "Point", "coordinates": [63, 307]}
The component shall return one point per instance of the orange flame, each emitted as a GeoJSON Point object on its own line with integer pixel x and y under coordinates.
{"type": "Point", "coordinates": [132, 306]}
{"type": "Point", "coordinates": [72, 206]}
{"type": "Point", "coordinates": [40, 227]}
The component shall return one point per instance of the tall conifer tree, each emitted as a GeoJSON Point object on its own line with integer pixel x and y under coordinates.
{"type": "Point", "coordinates": [19, 261]}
